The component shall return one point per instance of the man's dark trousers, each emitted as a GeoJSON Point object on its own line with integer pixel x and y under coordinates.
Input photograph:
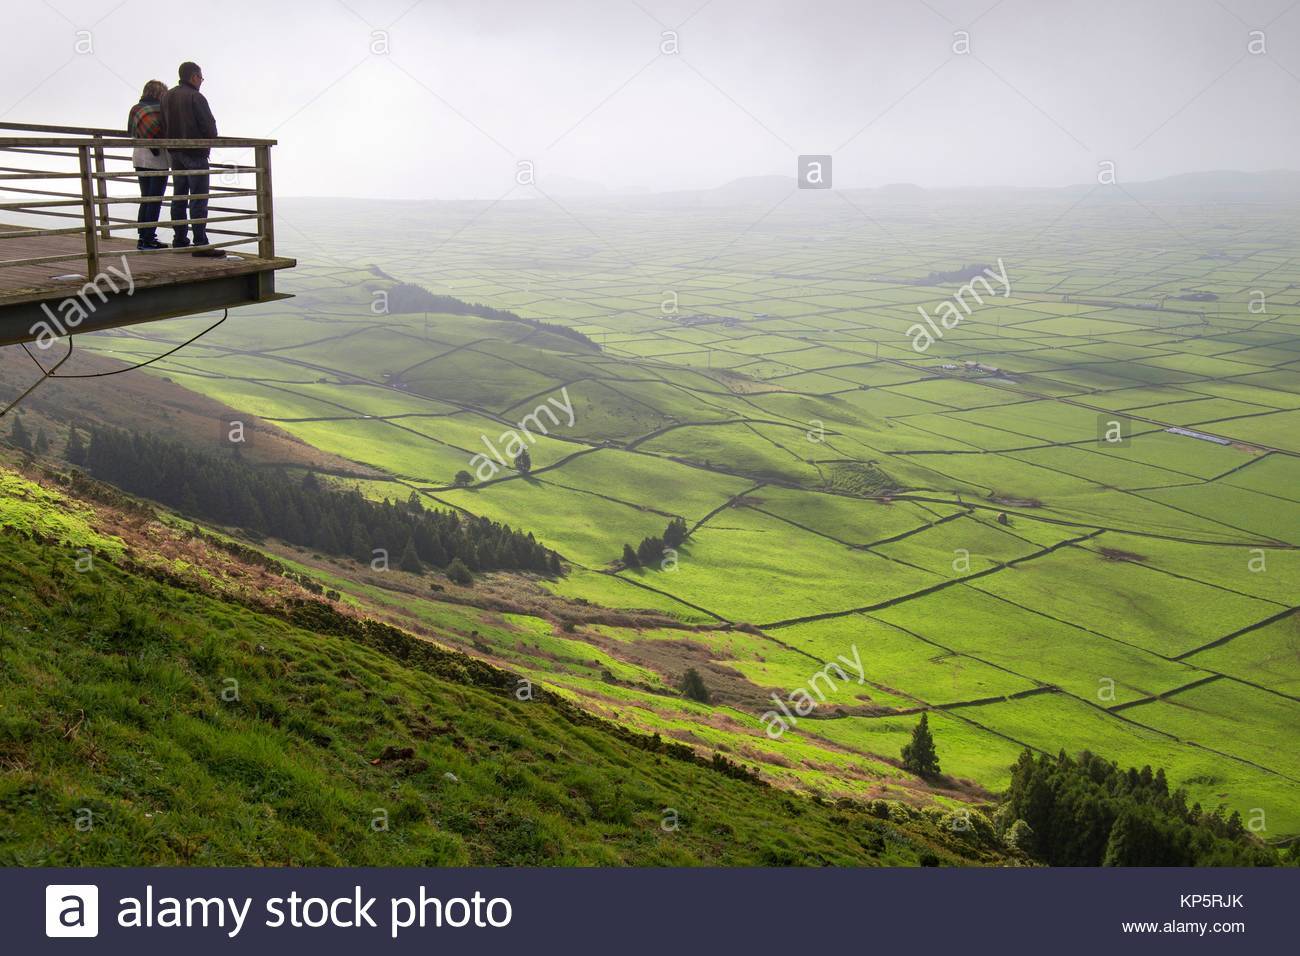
{"type": "Point", "coordinates": [185, 185]}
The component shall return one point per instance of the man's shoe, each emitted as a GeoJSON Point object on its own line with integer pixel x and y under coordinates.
{"type": "Point", "coordinates": [144, 244]}
{"type": "Point", "coordinates": [181, 244]}
{"type": "Point", "coordinates": [209, 254]}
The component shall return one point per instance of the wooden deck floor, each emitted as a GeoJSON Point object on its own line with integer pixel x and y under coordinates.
{"type": "Point", "coordinates": [162, 285]}
{"type": "Point", "coordinates": [34, 283]}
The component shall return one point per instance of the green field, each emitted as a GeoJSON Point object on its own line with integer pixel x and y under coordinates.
{"type": "Point", "coordinates": [956, 514]}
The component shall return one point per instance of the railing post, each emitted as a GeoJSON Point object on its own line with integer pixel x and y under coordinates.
{"type": "Point", "coordinates": [265, 207]}
{"type": "Point", "coordinates": [101, 187]}
{"type": "Point", "coordinates": [88, 212]}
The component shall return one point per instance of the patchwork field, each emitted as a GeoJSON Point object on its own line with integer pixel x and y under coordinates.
{"type": "Point", "coordinates": [1072, 523]}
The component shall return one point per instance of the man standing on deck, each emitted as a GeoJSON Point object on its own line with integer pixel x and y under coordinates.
{"type": "Point", "coordinates": [187, 116]}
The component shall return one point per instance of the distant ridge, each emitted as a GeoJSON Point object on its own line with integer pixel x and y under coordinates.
{"type": "Point", "coordinates": [1203, 186]}
{"type": "Point", "coordinates": [407, 298]}
{"type": "Point", "coordinates": [1221, 185]}
{"type": "Point", "coordinates": [1197, 187]}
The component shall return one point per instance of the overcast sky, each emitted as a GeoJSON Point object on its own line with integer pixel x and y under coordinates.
{"type": "Point", "coordinates": [445, 98]}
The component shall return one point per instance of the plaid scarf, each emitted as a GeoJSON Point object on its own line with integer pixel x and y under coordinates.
{"type": "Point", "coordinates": [146, 120]}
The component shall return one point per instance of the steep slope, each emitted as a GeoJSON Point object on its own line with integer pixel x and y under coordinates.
{"type": "Point", "coordinates": [145, 722]}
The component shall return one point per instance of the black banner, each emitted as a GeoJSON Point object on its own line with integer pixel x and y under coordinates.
{"type": "Point", "coordinates": [576, 911]}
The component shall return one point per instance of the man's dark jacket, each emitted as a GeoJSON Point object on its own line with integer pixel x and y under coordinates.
{"type": "Point", "coordinates": [187, 116]}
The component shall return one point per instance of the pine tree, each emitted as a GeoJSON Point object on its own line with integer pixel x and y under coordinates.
{"type": "Point", "coordinates": [327, 538]}
{"type": "Point", "coordinates": [919, 756]}
{"type": "Point", "coordinates": [523, 462]}
{"type": "Point", "coordinates": [1235, 828]}
{"type": "Point", "coordinates": [76, 451]}
{"type": "Point", "coordinates": [438, 556]}
{"type": "Point", "coordinates": [42, 444]}
{"type": "Point", "coordinates": [650, 550]}
{"type": "Point", "coordinates": [18, 436]}
{"type": "Point", "coordinates": [675, 533]}
{"type": "Point", "coordinates": [630, 559]}
{"type": "Point", "coordinates": [410, 560]}
{"type": "Point", "coordinates": [463, 479]}
{"type": "Point", "coordinates": [1130, 841]}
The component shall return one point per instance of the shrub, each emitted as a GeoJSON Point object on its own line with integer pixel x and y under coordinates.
{"type": "Point", "coordinates": [457, 573]}
{"type": "Point", "coordinates": [1019, 836]}
{"type": "Point", "coordinates": [694, 688]}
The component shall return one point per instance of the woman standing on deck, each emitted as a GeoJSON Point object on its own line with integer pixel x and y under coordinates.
{"type": "Point", "coordinates": [146, 122]}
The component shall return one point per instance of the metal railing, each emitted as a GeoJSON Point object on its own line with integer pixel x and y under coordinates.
{"type": "Point", "coordinates": [83, 155]}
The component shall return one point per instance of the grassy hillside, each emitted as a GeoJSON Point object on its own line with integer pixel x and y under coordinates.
{"type": "Point", "coordinates": [145, 723]}
{"type": "Point", "coordinates": [956, 520]}
{"type": "Point", "coordinates": [962, 526]}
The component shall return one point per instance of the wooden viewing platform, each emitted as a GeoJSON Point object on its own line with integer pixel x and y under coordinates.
{"type": "Point", "coordinates": [75, 277]}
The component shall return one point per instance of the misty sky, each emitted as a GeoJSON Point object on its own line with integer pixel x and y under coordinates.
{"type": "Point", "coordinates": [469, 88]}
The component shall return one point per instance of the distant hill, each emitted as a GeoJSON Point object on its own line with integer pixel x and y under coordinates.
{"type": "Point", "coordinates": [1277, 185]}
{"type": "Point", "coordinates": [1217, 186]}
{"type": "Point", "coordinates": [753, 187]}
{"type": "Point", "coordinates": [902, 190]}
{"type": "Point", "coordinates": [1222, 186]}
{"type": "Point", "coordinates": [1197, 187]}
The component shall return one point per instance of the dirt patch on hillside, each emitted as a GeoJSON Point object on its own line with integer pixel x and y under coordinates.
{"type": "Point", "coordinates": [739, 384]}
{"type": "Point", "coordinates": [1011, 501]}
{"type": "Point", "coordinates": [671, 659]}
{"type": "Point", "coordinates": [1115, 554]}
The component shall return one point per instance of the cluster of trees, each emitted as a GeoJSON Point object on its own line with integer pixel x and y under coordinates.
{"type": "Point", "coordinates": [20, 437]}
{"type": "Point", "coordinates": [230, 491]}
{"type": "Point", "coordinates": [407, 297]}
{"type": "Point", "coordinates": [651, 549]}
{"type": "Point", "coordinates": [954, 275]}
{"type": "Point", "coordinates": [1089, 812]}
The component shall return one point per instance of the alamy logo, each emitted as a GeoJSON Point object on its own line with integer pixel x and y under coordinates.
{"type": "Point", "coordinates": [71, 910]}
{"type": "Point", "coordinates": [815, 172]}
{"type": "Point", "coordinates": [75, 309]}
{"type": "Point", "coordinates": [951, 312]}
{"type": "Point", "coordinates": [515, 441]}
